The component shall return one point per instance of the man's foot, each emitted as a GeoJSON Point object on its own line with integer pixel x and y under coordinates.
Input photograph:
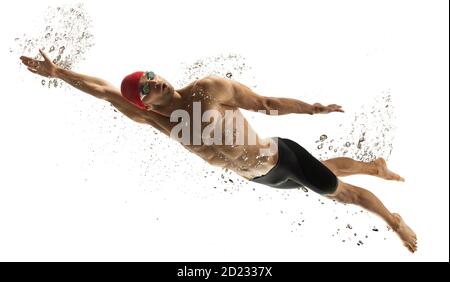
{"type": "Point", "coordinates": [405, 233]}
{"type": "Point", "coordinates": [384, 172]}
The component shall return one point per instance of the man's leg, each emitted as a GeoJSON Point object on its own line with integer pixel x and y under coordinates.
{"type": "Point", "coordinates": [346, 166]}
{"type": "Point", "coordinates": [350, 194]}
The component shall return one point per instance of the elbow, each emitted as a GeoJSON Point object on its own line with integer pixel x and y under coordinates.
{"type": "Point", "coordinates": [269, 106]}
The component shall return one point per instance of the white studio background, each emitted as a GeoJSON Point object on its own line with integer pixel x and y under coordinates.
{"type": "Point", "coordinates": [65, 195]}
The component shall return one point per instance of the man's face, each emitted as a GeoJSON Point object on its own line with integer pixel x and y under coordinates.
{"type": "Point", "coordinates": [154, 89]}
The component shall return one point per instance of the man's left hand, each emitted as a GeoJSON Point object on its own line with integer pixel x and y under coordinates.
{"type": "Point", "coordinates": [321, 109]}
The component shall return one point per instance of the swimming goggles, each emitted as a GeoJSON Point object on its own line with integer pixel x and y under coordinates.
{"type": "Point", "coordinates": [145, 89]}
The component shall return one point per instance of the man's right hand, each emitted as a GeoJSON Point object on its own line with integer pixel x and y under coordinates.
{"type": "Point", "coordinates": [45, 68]}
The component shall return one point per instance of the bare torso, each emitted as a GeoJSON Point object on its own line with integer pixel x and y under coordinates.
{"type": "Point", "coordinates": [244, 158]}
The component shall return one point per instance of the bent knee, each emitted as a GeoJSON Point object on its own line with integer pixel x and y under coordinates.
{"type": "Point", "coordinates": [344, 193]}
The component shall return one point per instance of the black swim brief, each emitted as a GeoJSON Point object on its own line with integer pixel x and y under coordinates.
{"type": "Point", "coordinates": [296, 167]}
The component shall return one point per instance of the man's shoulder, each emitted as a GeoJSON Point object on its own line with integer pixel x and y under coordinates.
{"type": "Point", "coordinates": [212, 81]}
{"type": "Point", "coordinates": [219, 88]}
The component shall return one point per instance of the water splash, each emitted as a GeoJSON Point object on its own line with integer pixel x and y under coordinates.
{"type": "Point", "coordinates": [369, 133]}
{"type": "Point", "coordinates": [230, 66]}
{"type": "Point", "coordinates": [67, 30]}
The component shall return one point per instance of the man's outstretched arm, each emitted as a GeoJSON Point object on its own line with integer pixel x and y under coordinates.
{"type": "Point", "coordinates": [96, 87]}
{"type": "Point", "coordinates": [239, 95]}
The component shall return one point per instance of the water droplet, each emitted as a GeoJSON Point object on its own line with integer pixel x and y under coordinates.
{"type": "Point", "coordinates": [43, 82]}
{"type": "Point", "coordinates": [51, 49]}
{"type": "Point", "coordinates": [347, 144]}
{"type": "Point", "coordinates": [229, 74]}
{"type": "Point", "coordinates": [359, 145]}
{"type": "Point", "coordinates": [47, 36]}
{"type": "Point", "coordinates": [320, 146]}
{"type": "Point", "coordinates": [61, 49]}
{"type": "Point", "coordinates": [349, 226]}
{"type": "Point", "coordinates": [330, 148]}
{"type": "Point", "coordinates": [323, 137]}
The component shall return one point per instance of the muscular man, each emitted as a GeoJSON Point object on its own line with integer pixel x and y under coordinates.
{"type": "Point", "coordinates": [146, 97]}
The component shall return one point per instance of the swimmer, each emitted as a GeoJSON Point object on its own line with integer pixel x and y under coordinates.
{"type": "Point", "coordinates": [146, 97]}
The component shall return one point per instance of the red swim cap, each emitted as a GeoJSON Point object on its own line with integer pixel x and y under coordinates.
{"type": "Point", "coordinates": [130, 89]}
